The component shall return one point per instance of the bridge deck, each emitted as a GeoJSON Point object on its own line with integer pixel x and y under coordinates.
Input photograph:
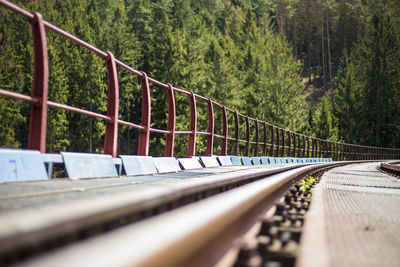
{"type": "Point", "coordinates": [354, 219]}
{"type": "Point", "coordinates": [27, 195]}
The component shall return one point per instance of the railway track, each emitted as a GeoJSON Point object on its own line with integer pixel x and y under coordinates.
{"type": "Point", "coordinates": [166, 221]}
{"type": "Point", "coordinates": [391, 168]}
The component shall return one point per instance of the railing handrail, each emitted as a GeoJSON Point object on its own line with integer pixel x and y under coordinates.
{"type": "Point", "coordinates": [282, 141]}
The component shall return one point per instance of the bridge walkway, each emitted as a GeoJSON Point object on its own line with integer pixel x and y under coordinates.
{"type": "Point", "coordinates": [354, 219]}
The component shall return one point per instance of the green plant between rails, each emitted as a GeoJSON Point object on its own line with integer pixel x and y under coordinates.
{"type": "Point", "coordinates": [306, 184]}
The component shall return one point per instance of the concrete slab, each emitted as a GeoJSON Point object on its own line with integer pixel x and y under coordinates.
{"type": "Point", "coordinates": [354, 219]}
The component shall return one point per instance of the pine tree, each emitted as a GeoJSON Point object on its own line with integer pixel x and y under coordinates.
{"type": "Point", "coordinates": [380, 56]}
{"type": "Point", "coordinates": [325, 128]}
{"type": "Point", "coordinates": [348, 105]}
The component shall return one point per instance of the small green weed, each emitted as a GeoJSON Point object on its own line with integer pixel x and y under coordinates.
{"type": "Point", "coordinates": [307, 183]}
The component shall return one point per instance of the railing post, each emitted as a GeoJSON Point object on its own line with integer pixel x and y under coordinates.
{"type": "Point", "coordinates": [358, 152]}
{"type": "Point", "coordinates": [313, 147]}
{"type": "Point", "coordinates": [304, 146]}
{"type": "Point", "coordinates": [193, 125]}
{"type": "Point", "coordinates": [144, 137]}
{"type": "Point", "coordinates": [247, 148]}
{"type": "Point", "coordinates": [38, 120]}
{"type": "Point", "coordinates": [224, 143]}
{"type": "Point", "coordinates": [344, 149]}
{"type": "Point", "coordinates": [329, 143]}
{"type": "Point", "coordinates": [257, 139]}
{"type": "Point", "coordinates": [111, 134]}
{"type": "Point", "coordinates": [349, 152]}
{"type": "Point", "coordinates": [294, 145]}
{"type": "Point", "coordinates": [237, 132]}
{"type": "Point", "coordinates": [334, 151]}
{"type": "Point", "coordinates": [283, 143]}
{"type": "Point", "coordinates": [352, 157]}
{"type": "Point", "coordinates": [264, 151]}
{"type": "Point", "coordinates": [320, 148]}
{"type": "Point", "coordinates": [210, 138]}
{"type": "Point", "coordinates": [327, 149]}
{"type": "Point", "coordinates": [341, 151]}
{"type": "Point", "coordinates": [289, 143]}
{"type": "Point", "coordinates": [308, 146]}
{"type": "Point", "coordinates": [277, 143]}
{"type": "Point", "coordinates": [170, 138]}
{"type": "Point", "coordinates": [272, 143]}
{"type": "Point", "coordinates": [298, 146]}
{"type": "Point", "coordinates": [361, 153]}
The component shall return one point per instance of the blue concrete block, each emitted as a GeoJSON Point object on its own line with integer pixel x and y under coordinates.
{"type": "Point", "coordinates": [289, 160]}
{"type": "Point", "coordinates": [21, 165]}
{"type": "Point", "coordinates": [236, 160]}
{"type": "Point", "coordinates": [167, 164]}
{"type": "Point", "coordinates": [190, 163]}
{"type": "Point", "coordinates": [87, 165]}
{"type": "Point", "coordinates": [247, 161]}
{"type": "Point", "coordinates": [224, 160]}
{"type": "Point", "coordinates": [264, 160]}
{"type": "Point", "coordinates": [210, 161]}
{"type": "Point", "coordinates": [256, 160]}
{"type": "Point", "coordinates": [138, 165]}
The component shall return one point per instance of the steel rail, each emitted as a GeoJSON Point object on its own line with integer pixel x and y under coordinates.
{"type": "Point", "coordinates": [198, 234]}
{"type": "Point", "coordinates": [392, 167]}
{"type": "Point", "coordinates": [47, 224]}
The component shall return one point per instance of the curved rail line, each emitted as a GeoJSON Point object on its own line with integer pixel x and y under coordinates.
{"type": "Point", "coordinates": [202, 222]}
{"type": "Point", "coordinates": [391, 167]}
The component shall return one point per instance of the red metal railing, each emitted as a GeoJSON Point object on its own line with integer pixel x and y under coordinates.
{"type": "Point", "coordinates": [275, 141]}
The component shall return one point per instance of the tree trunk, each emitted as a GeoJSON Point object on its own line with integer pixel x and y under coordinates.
{"type": "Point", "coordinates": [295, 36]}
{"type": "Point", "coordinates": [323, 48]}
{"type": "Point", "coordinates": [90, 129]}
{"type": "Point", "coordinates": [309, 52]}
{"type": "Point", "coordinates": [329, 62]}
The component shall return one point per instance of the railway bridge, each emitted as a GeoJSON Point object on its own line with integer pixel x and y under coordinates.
{"type": "Point", "coordinates": [267, 197]}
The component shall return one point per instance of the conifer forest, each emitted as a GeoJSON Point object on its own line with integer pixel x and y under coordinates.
{"type": "Point", "coordinates": [325, 68]}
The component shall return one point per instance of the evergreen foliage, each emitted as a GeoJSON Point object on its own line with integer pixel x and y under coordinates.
{"type": "Point", "coordinates": [369, 96]}
{"type": "Point", "coordinates": [324, 125]}
{"type": "Point", "coordinates": [224, 50]}
{"type": "Point", "coordinates": [246, 55]}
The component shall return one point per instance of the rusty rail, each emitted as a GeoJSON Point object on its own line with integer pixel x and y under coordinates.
{"type": "Point", "coordinates": [275, 141]}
